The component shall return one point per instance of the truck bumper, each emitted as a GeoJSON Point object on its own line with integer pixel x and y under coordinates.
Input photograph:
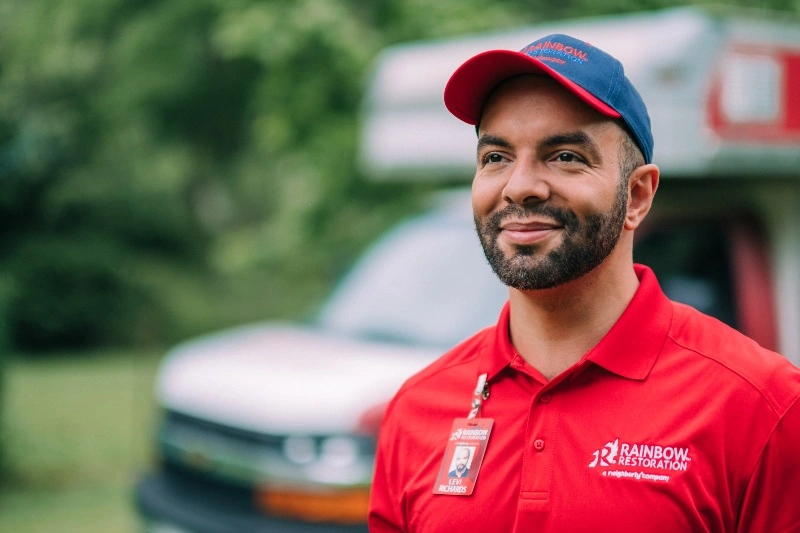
{"type": "Point", "coordinates": [172, 502]}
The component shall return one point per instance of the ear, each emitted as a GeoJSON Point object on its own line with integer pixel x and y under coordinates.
{"type": "Point", "coordinates": [642, 186]}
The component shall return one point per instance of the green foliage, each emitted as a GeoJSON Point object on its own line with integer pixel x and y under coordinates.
{"type": "Point", "coordinates": [73, 292]}
{"type": "Point", "coordinates": [78, 432]}
{"type": "Point", "coordinates": [205, 141]}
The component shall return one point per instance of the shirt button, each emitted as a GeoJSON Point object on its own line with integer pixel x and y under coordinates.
{"type": "Point", "coordinates": [538, 445]}
{"type": "Point", "coordinates": [546, 397]}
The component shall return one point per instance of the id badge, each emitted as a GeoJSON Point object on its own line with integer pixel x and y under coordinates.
{"type": "Point", "coordinates": [463, 456]}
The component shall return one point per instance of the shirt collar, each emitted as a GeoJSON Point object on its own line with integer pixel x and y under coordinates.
{"type": "Point", "coordinates": [632, 345]}
{"type": "Point", "coordinates": [629, 349]}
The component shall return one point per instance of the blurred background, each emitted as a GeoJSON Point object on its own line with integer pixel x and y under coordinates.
{"type": "Point", "coordinates": [169, 169]}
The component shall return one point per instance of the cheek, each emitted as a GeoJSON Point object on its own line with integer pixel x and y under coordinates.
{"type": "Point", "coordinates": [584, 199]}
{"type": "Point", "coordinates": [486, 195]}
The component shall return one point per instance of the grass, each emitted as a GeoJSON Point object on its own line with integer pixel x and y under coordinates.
{"type": "Point", "coordinates": [77, 432]}
{"type": "Point", "coordinates": [78, 428]}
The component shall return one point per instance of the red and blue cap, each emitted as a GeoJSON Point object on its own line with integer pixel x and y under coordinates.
{"type": "Point", "coordinates": [589, 73]}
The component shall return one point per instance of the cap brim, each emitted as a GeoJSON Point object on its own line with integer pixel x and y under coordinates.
{"type": "Point", "coordinates": [471, 84]}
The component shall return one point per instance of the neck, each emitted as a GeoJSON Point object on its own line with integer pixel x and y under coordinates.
{"type": "Point", "coordinates": [552, 329]}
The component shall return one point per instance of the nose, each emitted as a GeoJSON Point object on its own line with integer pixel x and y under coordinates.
{"type": "Point", "coordinates": [526, 184]}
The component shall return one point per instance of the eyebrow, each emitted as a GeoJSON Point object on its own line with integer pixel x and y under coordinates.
{"type": "Point", "coordinates": [576, 138]}
{"type": "Point", "coordinates": [488, 139]}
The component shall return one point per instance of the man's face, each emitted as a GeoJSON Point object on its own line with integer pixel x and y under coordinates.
{"type": "Point", "coordinates": [548, 200]}
{"type": "Point", "coordinates": [462, 458]}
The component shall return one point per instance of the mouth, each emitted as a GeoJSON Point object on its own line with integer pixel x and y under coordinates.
{"type": "Point", "coordinates": [528, 233]}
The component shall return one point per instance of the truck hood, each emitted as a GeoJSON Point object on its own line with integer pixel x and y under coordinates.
{"type": "Point", "coordinates": [283, 379]}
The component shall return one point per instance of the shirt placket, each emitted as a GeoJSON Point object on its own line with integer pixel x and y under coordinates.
{"type": "Point", "coordinates": [538, 465]}
{"type": "Point", "coordinates": [537, 462]}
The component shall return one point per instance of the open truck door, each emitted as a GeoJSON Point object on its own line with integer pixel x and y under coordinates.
{"type": "Point", "coordinates": [723, 91]}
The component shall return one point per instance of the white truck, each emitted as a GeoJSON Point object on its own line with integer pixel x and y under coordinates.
{"type": "Point", "coordinates": [272, 427]}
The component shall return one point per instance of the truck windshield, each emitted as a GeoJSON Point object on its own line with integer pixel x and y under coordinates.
{"type": "Point", "coordinates": [426, 283]}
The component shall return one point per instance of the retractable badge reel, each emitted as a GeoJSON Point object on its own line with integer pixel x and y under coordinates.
{"type": "Point", "coordinates": [466, 447]}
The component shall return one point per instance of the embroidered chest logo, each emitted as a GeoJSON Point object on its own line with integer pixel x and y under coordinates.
{"type": "Point", "coordinates": [651, 462]}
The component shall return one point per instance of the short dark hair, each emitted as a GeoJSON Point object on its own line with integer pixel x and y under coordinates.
{"type": "Point", "coordinates": [630, 156]}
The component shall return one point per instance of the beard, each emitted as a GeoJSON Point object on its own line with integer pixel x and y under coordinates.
{"type": "Point", "coordinates": [585, 244]}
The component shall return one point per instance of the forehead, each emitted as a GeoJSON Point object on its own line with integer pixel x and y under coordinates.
{"type": "Point", "coordinates": [534, 102]}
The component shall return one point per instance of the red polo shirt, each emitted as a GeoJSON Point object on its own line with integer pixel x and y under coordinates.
{"type": "Point", "coordinates": [673, 422]}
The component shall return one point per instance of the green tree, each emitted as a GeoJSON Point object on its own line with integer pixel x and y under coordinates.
{"type": "Point", "coordinates": [150, 149]}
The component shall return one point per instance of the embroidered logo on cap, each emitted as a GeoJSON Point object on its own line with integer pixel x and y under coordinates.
{"type": "Point", "coordinates": [541, 51]}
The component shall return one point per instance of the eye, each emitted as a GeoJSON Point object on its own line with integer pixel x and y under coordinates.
{"type": "Point", "coordinates": [568, 157]}
{"type": "Point", "coordinates": [493, 157]}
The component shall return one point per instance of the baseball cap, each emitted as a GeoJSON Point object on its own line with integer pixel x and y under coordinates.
{"type": "Point", "coordinates": [589, 73]}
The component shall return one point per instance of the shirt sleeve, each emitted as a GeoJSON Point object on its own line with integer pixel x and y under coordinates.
{"type": "Point", "coordinates": [385, 507]}
{"type": "Point", "coordinates": [771, 499]}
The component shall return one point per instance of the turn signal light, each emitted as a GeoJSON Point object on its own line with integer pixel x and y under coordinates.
{"type": "Point", "coordinates": [348, 506]}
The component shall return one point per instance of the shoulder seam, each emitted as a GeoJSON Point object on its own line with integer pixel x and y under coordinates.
{"type": "Point", "coordinates": [417, 379]}
{"type": "Point", "coordinates": [773, 407]}
{"type": "Point", "coordinates": [406, 388]}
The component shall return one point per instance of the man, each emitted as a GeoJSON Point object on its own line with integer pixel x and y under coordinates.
{"type": "Point", "coordinates": [600, 405]}
{"type": "Point", "coordinates": [462, 460]}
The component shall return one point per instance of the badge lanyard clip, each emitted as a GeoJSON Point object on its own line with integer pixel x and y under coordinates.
{"type": "Point", "coordinates": [479, 396]}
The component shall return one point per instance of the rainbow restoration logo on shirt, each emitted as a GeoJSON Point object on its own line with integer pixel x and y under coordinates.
{"type": "Point", "coordinates": [651, 462]}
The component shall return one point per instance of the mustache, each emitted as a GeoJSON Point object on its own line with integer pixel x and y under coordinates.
{"type": "Point", "coordinates": [564, 217]}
